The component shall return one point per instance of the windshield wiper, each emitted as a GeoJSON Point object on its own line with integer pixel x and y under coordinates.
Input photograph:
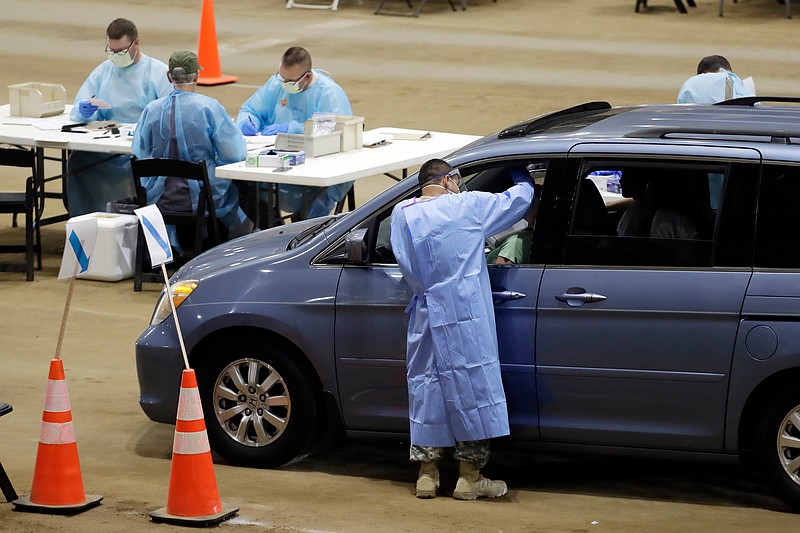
{"type": "Point", "coordinates": [307, 234]}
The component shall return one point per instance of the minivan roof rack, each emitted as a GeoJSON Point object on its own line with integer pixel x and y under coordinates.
{"type": "Point", "coordinates": [752, 100]}
{"type": "Point", "coordinates": [543, 121]}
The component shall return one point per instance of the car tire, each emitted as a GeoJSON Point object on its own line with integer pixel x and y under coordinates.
{"type": "Point", "coordinates": [260, 407]}
{"type": "Point", "coordinates": [778, 444]}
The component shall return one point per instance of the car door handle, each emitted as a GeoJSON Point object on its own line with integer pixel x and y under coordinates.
{"type": "Point", "coordinates": [505, 296]}
{"type": "Point", "coordinates": [577, 299]}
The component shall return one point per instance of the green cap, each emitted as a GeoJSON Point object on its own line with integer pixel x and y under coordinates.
{"type": "Point", "coordinates": [185, 60]}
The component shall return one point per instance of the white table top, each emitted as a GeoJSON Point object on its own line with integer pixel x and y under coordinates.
{"type": "Point", "coordinates": [317, 171]}
{"type": "Point", "coordinates": [19, 130]}
{"type": "Point", "coordinates": [355, 164]}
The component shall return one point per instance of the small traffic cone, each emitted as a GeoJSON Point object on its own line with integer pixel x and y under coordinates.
{"type": "Point", "coordinates": [57, 483]}
{"type": "Point", "coordinates": [207, 52]}
{"type": "Point", "coordinates": [193, 497]}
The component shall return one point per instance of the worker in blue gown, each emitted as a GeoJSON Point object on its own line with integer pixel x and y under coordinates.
{"type": "Point", "coordinates": [456, 396]}
{"type": "Point", "coordinates": [714, 82]}
{"type": "Point", "coordinates": [192, 127]}
{"type": "Point", "coordinates": [282, 105]}
{"type": "Point", "coordinates": [126, 82]}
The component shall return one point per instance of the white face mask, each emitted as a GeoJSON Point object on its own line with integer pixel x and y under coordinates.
{"type": "Point", "coordinates": [121, 61]}
{"type": "Point", "coordinates": [291, 88]}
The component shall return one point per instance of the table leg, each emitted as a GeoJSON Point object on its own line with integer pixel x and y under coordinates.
{"type": "Point", "coordinates": [680, 6]}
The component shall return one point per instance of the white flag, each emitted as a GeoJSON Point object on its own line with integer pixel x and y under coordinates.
{"type": "Point", "coordinates": [155, 233]}
{"type": "Point", "coordinates": [78, 248]}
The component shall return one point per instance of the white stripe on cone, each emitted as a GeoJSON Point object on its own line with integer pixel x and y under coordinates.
{"type": "Point", "coordinates": [57, 433]}
{"type": "Point", "coordinates": [189, 407]}
{"type": "Point", "coordinates": [192, 443]}
{"type": "Point", "coordinates": [56, 399]}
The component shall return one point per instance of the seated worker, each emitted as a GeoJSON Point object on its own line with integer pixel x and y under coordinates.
{"type": "Point", "coordinates": [674, 213]}
{"type": "Point", "coordinates": [714, 82]}
{"type": "Point", "coordinates": [282, 105]}
{"type": "Point", "coordinates": [127, 82]}
{"type": "Point", "coordinates": [635, 220]}
{"type": "Point", "coordinates": [514, 244]}
{"type": "Point", "coordinates": [193, 127]}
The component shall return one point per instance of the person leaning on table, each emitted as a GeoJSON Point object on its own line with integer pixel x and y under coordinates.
{"type": "Point", "coordinates": [456, 396]}
{"type": "Point", "coordinates": [192, 127]}
{"type": "Point", "coordinates": [128, 80]}
{"type": "Point", "coordinates": [282, 105]}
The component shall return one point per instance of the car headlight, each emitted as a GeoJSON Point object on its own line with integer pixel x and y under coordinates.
{"type": "Point", "coordinates": [180, 291]}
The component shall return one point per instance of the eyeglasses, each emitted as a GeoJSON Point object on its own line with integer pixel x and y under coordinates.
{"type": "Point", "coordinates": [291, 82]}
{"type": "Point", "coordinates": [122, 52]}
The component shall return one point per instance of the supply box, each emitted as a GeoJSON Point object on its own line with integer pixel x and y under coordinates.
{"type": "Point", "coordinates": [115, 248]}
{"type": "Point", "coordinates": [35, 99]}
{"type": "Point", "coordinates": [352, 128]}
{"type": "Point", "coordinates": [274, 158]}
{"type": "Point", "coordinates": [313, 146]}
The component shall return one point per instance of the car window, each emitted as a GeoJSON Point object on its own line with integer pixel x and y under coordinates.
{"type": "Point", "coordinates": [488, 178]}
{"type": "Point", "coordinates": [631, 213]}
{"type": "Point", "coordinates": [778, 224]}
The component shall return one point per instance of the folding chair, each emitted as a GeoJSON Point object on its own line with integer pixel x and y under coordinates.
{"type": "Point", "coordinates": [29, 203]}
{"type": "Point", "coordinates": [5, 483]}
{"type": "Point", "coordinates": [678, 4]}
{"type": "Point", "coordinates": [203, 221]}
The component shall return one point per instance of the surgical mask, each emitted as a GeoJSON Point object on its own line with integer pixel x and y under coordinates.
{"type": "Point", "coordinates": [121, 60]}
{"type": "Point", "coordinates": [293, 87]}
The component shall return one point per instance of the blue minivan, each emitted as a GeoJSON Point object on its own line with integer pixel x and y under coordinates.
{"type": "Point", "coordinates": [652, 308]}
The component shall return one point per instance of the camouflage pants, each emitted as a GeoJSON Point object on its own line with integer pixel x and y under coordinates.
{"type": "Point", "coordinates": [473, 451]}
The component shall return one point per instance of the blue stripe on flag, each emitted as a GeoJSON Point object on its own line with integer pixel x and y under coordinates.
{"type": "Point", "coordinates": [157, 236]}
{"type": "Point", "coordinates": [80, 254]}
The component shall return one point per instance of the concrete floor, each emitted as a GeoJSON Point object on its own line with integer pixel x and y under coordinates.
{"type": "Point", "coordinates": [467, 72]}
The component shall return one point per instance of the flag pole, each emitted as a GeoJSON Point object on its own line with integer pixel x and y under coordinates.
{"type": "Point", "coordinates": [60, 341]}
{"type": "Point", "coordinates": [175, 315]}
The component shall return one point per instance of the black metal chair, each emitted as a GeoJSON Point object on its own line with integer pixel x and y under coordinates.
{"type": "Point", "coordinates": [5, 483]}
{"type": "Point", "coordinates": [29, 203]}
{"type": "Point", "coordinates": [678, 4]}
{"type": "Point", "coordinates": [203, 221]}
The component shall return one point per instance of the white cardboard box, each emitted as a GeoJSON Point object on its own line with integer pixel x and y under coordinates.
{"type": "Point", "coordinates": [36, 99]}
{"type": "Point", "coordinates": [115, 249]}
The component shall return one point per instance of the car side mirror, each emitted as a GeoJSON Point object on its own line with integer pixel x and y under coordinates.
{"type": "Point", "coordinates": [356, 246]}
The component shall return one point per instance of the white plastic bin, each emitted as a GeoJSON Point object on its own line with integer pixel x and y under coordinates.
{"type": "Point", "coordinates": [115, 248]}
{"type": "Point", "coordinates": [35, 99]}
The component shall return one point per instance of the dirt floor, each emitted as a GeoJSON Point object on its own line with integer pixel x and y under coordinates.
{"type": "Point", "coordinates": [473, 72]}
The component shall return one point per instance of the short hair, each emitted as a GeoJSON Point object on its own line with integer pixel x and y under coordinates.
{"type": "Point", "coordinates": [181, 77]}
{"type": "Point", "coordinates": [713, 64]}
{"type": "Point", "coordinates": [433, 168]}
{"type": "Point", "coordinates": [296, 55]}
{"type": "Point", "coordinates": [119, 28]}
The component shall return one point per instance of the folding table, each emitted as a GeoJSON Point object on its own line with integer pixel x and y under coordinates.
{"type": "Point", "coordinates": [678, 4]}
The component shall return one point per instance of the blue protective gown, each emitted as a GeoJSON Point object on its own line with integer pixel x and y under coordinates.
{"type": "Point", "coordinates": [96, 178]}
{"type": "Point", "coordinates": [272, 105]}
{"type": "Point", "coordinates": [203, 132]}
{"type": "Point", "coordinates": [710, 88]}
{"type": "Point", "coordinates": [454, 383]}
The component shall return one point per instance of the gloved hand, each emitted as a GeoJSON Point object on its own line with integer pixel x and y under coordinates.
{"type": "Point", "coordinates": [274, 129]}
{"type": "Point", "coordinates": [249, 128]}
{"type": "Point", "coordinates": [520, 175]}
{"type": "Point", "coordinates": [86, 108]}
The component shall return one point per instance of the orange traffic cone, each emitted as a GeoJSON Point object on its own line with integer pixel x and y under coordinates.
{"type": "Point", "coordinates": [57, 483]}
{"type": "Point", "coordinates": [193, 497]}
{"type": "Point", "coordinates": [207, 52]}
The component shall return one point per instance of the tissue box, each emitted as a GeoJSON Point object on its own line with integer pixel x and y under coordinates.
{"type": "Point", "coordinates": [35, 99]}
{"type": "Point", "coordinates": [351, 127]}
{"type": "Point", "coordinates": [313, 146]}
{"type": "Point", "coordinates": [115, 247]}
{"type": "Point", "coordinates": [274, 158]}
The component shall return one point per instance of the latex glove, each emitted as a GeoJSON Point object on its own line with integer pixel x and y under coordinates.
{"type": "Point", "coordinates": [86, 109]}
{"type": "Point", "coordinates": [249, 128]}
{"type": "Point", "coordinates": [274, 129]}
{"type": "Point", "coordinates": [520, 175]}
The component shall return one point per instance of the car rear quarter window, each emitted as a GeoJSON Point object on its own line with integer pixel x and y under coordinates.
{"type": "Point", "coordinates": [778, 218]}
